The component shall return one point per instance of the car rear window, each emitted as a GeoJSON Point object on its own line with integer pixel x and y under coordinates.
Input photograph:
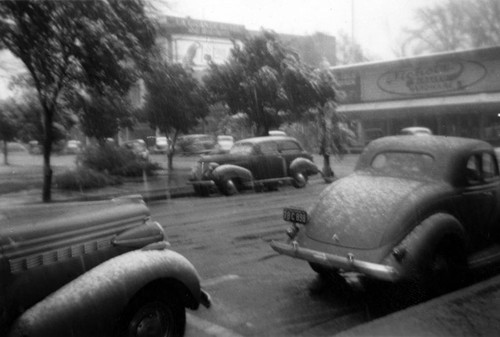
{"type": "Point", "coordinates": [407, 163]}
{"type": "Point", "coordinates": [241, 148]}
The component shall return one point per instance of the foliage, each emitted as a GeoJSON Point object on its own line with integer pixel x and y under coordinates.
{"type": "Point", "coordinates": [9, 127]}
{"type": "Point", "coordinates": [102, 115]}
{"type": "Point", "coordinates": [29, 112]}
{"type": "Point", "coordinates": [454, 25]}
{"type": "Point", "coordinates": [116, 161]}
{"type": "Point", "coordinates": [250, 81]}
{"type": "Point", "coordinates": [70, 46]}
{"type": "Point", "coordinates": [9, 123]}
{"type": "Point", "coordinates": [175, 101]}
{"type": "Point", "coordinates": [83, 178]}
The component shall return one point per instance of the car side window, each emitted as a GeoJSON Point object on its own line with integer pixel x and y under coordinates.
{"type": "Point", "coordinates": [269, 148]}
{"type": "Point", "coordinates": [473, 173]}
{"type": "Point", "coordinates": [490, 170]}
{"type": "Point", "coordinates": [289, 147]}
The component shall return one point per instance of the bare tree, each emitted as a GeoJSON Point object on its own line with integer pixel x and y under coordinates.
{"type": "Point", "coordinates": [453, 25]}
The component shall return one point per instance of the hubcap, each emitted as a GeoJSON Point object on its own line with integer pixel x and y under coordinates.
{"type": "Point", "coordinates": [151, 320]}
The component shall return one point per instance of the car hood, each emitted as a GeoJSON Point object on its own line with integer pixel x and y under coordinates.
{"type": "Point", "coordinates": [359, 210]}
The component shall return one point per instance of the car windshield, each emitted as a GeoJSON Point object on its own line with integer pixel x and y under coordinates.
{"type": "Point", "coordinates": [406, 163]}
{"type": "Point", "coordinates": [241, 148]}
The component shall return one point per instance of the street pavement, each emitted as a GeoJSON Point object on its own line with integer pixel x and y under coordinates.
{"type": "Point", "coordinates": [471, 311]}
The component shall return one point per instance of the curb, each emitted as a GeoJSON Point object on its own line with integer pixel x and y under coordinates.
{"type": "Point", "coordinates": [471, 311]}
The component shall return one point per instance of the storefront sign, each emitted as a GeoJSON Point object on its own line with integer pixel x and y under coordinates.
{"type": "Point", "coordinates": [432, 78]}
{"type": "Point", "coordinates": [349, 86]}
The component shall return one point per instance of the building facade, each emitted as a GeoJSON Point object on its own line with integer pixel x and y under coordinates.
{"type": "Point", "coordinates": [456, 94]}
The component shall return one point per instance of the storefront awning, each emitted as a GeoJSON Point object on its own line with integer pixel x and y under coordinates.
{"type": "Point", "coordinates": [432, 102]}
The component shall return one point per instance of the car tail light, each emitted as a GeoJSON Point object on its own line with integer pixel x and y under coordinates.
{"type": "Point", "coordinates": [292, 231]}
{"type": "Point", "coordinates": [399, 253]}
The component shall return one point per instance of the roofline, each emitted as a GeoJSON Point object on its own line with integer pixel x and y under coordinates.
{"type": "Point", "coordinates": [489, 51]}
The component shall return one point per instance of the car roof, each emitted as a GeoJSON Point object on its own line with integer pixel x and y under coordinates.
{"type": "Point", "coordinates": [258, 140]}
{"type": "Point", "coordinates": [416, 129]}
{"type": "Point", "coordinates": [449, 153]}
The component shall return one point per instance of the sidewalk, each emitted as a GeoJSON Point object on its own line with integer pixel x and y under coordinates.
{"type": "Point", "coordinates": [162, 186]}
{"type": "Point", "coordinates": [472, 311]}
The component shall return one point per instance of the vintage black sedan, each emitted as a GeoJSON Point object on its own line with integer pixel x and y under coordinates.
{"type": "Point", "coordinates": [260, 162]}
{"type": "Point", "coordinates": [100, 268]}
{"type": "Point", "coordinates": [416, 211]}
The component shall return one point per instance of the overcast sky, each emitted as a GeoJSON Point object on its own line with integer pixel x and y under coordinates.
{"type": "Point", "coordinates": [377, 23]}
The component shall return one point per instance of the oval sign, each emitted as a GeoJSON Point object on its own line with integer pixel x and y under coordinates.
{"type": "Point", "coordinates": [433, 78]}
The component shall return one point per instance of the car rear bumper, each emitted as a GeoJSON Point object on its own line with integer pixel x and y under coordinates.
{"type": "Point", "coordinates": [345, 263]}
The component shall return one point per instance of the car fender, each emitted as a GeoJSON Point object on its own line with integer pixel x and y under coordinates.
{"type": "Point", "coordinates": [303, 165]}
{"type": "Point", "coordinates": [92, 302]}
{"type": "Point", "coordinates": [418, 246]}
{"type": "Point", "coordinates": [229, 171]}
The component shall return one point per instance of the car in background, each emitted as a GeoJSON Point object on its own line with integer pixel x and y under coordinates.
{"type": "Point", "coordinates": [92, 269]}
{"type": "Point", "coordinates": [161, 145]}
{"type": "Point", "coordinates": [73, 147]}
{"type": "Point", "coordinates": [224, 143]}
{"type": "Point", "coordinates": [195, 144]}
{"type": "Point", "coordinates": [416, 131]}
{"type": "Point", "coordinates": [276, 133]}
{"type": "Point", "coordinates": [158, 144]}
{"type": "Point", "coordinates": [138, 147]}
{"type": "Point", "coordinates": [254, 163]}
{"type": "Point", "coordinates": [417, 212]}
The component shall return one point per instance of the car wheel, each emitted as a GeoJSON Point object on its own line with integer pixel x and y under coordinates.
{"type": "Point", "coordinates": [446, 269]}
{"type": "Point", "coordinates": [229, 187]}
{"type": "Point", "coordinates": [153, 313]}
{"type": "Point", "coordinates": [299, 180]}
{"type": "Point", "coordinates": [202, 191]}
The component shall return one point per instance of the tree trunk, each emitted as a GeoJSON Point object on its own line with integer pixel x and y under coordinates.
{"type": "Point", "coordinates": [5, 153]}
{"type": "Point", "coordinates": [47, 149]}
{"type": "Point", "coordinates": [170, 160]}
{"type": "Point", "coordinates": [327, 168]}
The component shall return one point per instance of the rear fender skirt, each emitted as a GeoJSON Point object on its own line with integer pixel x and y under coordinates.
{"type": "Point", "coordinates": [93, 301]}
{"type": "Point", "coordinates": [303, 165]}
{"type": "Point", "coordinates": [229, 171]}
{"type": "Point", "coordinates": [419, 244]}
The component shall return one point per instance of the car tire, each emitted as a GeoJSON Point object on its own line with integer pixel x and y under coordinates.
{"type": "Point", "coordinates": [201, 191]}
{"type": "Point", "coordinates": [154, 311]}
{"type": "Point", "coordinates": [446, 269]}
{"type": "Point", "coordinates": [229, 187]}
{"type": "Point", "coordinates": [299, 180]}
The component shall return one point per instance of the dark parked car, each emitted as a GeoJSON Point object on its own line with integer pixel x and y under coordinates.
{"type": "Point", "coordinates": [138, 147]}
{"type": "Point", "coordinates": [195, 144]}
{"type": "Point", "coordinates": [254, 163]}
{"type": "Point", "coordinates": [417, 212]}
{"type": "Point", "coordinates": [103, 268]}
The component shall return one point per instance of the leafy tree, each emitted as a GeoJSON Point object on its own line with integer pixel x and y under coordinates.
{"type": "Point", "coordinates": [70, 46]}
{"type": "Point", "coordinates": [250, 81]}
{"type": "Point", "coordinates": [270, 83]}
{"type": "Point", "coordinates": [9, 127]}
{"type": "Point", "coordinates": [102, 115]}
{"type": "Point", "coordinates": [175, 102]}
{"type": "Point", "coordinates": [454, 25]}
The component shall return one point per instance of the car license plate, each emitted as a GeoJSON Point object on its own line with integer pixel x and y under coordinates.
{"type": "Point", "coordinates": [295, 215]}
